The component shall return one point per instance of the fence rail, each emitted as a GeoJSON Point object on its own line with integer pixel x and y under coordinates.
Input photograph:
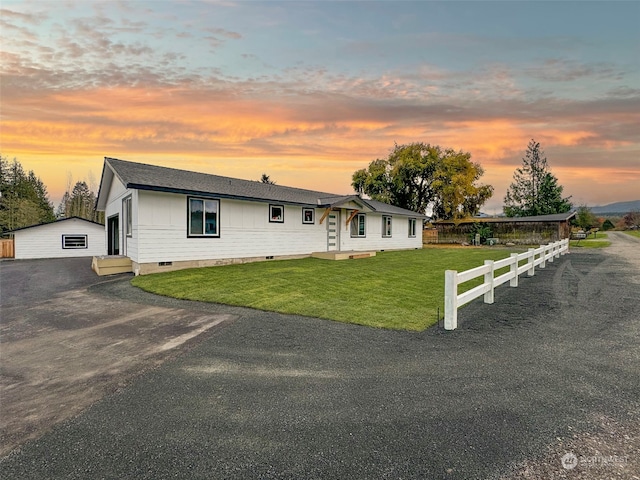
{"type": "Point", "coordinates": [518, 263]}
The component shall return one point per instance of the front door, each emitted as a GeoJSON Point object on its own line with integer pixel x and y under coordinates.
{"type": "Point", "coordinates": [333, 231]}
{"type": "Point", "coordinates": [113, 235]}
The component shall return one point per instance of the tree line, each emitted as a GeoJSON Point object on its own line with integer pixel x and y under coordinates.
{"type": "Point", "coordinates": [416, 176]}
{"type": "Point", "coordinates": [420, 176]}
{"type": "Point", "coordinates": [24, 200]}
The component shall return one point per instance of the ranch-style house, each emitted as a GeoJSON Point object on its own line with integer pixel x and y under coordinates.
{"type": "Point", "coordinates": [167, 219]}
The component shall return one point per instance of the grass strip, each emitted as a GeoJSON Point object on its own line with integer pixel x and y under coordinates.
{"type": "Point", "coordinates": [397, 290]}
{"type": "Point", "coordinates": [600, 241]}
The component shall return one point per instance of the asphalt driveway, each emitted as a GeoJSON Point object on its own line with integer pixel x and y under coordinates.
{"type": "Point", "coordinates": [277, 396]}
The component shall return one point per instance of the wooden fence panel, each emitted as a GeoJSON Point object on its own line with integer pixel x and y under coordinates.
{"type": "Point", "coordinates": [6, 248]}
{"type": "Point", "coordinates": [430, 236]}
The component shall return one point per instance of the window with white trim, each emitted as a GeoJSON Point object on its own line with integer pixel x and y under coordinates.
{"type": "Point", "coordinates": [412, 227]}
{"type": "Point", "coordinates": [74, 241]}
{"type": "Point", "coordinates": [359, 225]}
{"type": "Point", "coordinates": [204, 217]}
{"type": "Point", "coordinates": [386, 226]}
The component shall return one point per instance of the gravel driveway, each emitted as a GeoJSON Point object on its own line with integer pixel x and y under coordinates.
{"type": "Point", "coordinates": [64, 346]}
{"type": "Point", "coordinates": [552, 365]}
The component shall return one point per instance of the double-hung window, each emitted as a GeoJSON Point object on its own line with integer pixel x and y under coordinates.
{"type": "Point", "coordinates": [359, 225]}
{"type": "Point", "coordinates": [412, 227]}
{"type": "Point", "coordinates": [204, 217]}
{"type": "Point", "coordinates": [386, 226]}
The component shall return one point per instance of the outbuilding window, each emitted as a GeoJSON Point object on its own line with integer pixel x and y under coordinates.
{"type": "Point", "coordinates": [204, 217]}
{"type": "Point", "coordinates": [359, 225]}
{"type": "Point", "coordinates": [74, 241]}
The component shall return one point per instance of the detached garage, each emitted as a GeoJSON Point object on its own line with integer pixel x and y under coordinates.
{"type": "Point", "coordinates": [69, 237]}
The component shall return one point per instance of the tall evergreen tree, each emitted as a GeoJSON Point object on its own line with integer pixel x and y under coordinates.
{"type": "Point", "coordinates": [24, 200]}
{"type": "Point", "coordinates": [80, 202]}
{"type": "Point", "coordinates": [535, 190]}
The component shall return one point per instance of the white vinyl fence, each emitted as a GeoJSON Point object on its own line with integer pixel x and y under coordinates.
{"type": "Point", "coordinates": [534, 257]}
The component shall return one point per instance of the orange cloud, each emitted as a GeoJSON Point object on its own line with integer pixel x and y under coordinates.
{"type": "Point", "coordinates": [236, 132]}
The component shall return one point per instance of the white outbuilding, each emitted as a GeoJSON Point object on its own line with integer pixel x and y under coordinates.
{"type": "Point", "coordinates": [68, 237]}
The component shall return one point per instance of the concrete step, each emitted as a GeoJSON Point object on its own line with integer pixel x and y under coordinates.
{"type": "Point", "coordinates": [111, 264]}
{"type": "Point", "coordinates": [343, 255]}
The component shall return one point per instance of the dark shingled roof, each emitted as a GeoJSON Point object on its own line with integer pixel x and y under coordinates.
{"type": "Point", "coordinates": [150, 177]}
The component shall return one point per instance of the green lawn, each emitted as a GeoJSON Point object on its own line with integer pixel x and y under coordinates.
{"type": "Point", "coordinates": [600, 241]}
{"type": "Point", "coordinates": [633, 233]}
{"type": "Point", "coordinates": [398, 290]}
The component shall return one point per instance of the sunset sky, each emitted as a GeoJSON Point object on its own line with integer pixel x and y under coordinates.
{"type": "Point", "coordinates": [309, 92]}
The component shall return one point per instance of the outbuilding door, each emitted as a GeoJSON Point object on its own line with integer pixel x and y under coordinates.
{"type": "Point", "coordinates": [113, 235]}
{"type": "Point", "coordinates": [333, 231]}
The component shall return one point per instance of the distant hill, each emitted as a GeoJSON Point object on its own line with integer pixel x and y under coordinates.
{"type": "Point", "coordinates": [618, 207]}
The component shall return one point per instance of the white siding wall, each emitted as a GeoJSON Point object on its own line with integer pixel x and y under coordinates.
{"type": "Point", "coordinates": [245, 231]}
{"type": "Point", "coordinates": [45, 241]}
{"type": "Point", "coordinates": [160, 231]}
{"type": "Point", "coordinates": [114, 207]}
{"type": "Point", "coordinates": [374, 240]}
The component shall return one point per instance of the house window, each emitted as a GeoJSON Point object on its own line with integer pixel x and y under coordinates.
{"type": "Point", "coordinates": [386, 226]}
{"type": "Point", "coordinates": [358, 225]}
{"type": "Point", "coordinates": [308, 215]}
{"type": "Point", "coordinates": [74, 241]}
{"type": "Point", "coordinates": [276, 213]}
{"type": "Point", "coordinates": [126, 212]}
{"type": "Point", "coordinates": [412, 227]}
{"type": "Point", "coordinates": [204, 217]}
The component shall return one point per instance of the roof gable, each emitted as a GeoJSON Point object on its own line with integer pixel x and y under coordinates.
{"type": "Point", "coordinates": [56, 221]}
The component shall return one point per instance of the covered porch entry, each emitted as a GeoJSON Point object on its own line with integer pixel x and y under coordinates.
{"type": "Point", "coordinates": [341, 208]}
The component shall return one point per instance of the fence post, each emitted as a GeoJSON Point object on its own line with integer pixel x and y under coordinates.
{"type": "Point", "coordinates": [450, 299]}
{"type": "Point", "coordinates": [563, 245]}
{"type": "Point", "coordinates": [532, 265]}
{"type": "Point", "coordinates": [514, 270]}
{"type": "Point", "coordinates": [543, 264]}
{"type": "Point", "coordinates": [488, 278]}
{"type": "Point", "coordinates": [551, 252]}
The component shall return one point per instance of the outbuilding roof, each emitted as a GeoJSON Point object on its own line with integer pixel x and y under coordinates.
{"type": "Point", "coordinates": [55, 221]}
{"type": "Point", "coordinates": [557, 217]}
{"type": "Point", "coordinates": [150, 177]}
